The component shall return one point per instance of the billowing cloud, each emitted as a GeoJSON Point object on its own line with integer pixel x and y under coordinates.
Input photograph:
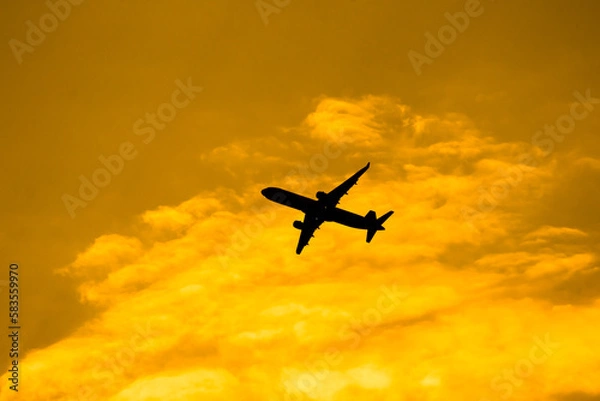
{"type": "Point", "coordinates": [207, 300]}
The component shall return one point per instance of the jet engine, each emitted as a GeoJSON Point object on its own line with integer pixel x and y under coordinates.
{"type": "Point", "coordinates": [298, 224]}
{"type": "Point", "coordinates": [321, 195]}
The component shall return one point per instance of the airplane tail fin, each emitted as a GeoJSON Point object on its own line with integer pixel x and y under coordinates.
{"type": "Point", "coordinates": [383, 218]}
{"type": "Point", "coordinates": [376, 223]}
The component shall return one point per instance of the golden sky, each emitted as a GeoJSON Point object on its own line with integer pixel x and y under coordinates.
{"type": "Point", "coordinates": [176, 279]}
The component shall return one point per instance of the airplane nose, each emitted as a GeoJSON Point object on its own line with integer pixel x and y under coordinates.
{"type": "Point", "coordinates": [266, 192]}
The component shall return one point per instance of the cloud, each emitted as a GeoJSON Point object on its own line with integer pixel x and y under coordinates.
{"type": "Point", "coordinates": [176, 322]}
{"type": "Point", "coordinates": [202, 383]}
{"type": "Point", "coordinates": [108, 254]}
{"type": "Point", "coordinates": [549, 233]}
{"type": "Point", "coordinates": [577, 396]}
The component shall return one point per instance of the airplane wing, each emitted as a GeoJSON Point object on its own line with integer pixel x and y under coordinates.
{"type": "Point", "coordinates": [335, 195]}
{"type": "Point", "coordinates": [309, 226]}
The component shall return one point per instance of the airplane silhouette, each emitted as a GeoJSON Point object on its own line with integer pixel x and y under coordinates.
{"type": "Point", "coordinates": [325, 209]}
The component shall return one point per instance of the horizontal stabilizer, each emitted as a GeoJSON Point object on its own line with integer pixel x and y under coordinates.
{"type": "Point", "coordinates": [383, 218]}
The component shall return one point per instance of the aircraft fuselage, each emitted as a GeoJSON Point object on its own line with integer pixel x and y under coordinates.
{"type": "Point", "coordinates": [318, 210]}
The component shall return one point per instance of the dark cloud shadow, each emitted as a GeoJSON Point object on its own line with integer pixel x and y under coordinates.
{"type": "Point", "coordinates": [577, 396]}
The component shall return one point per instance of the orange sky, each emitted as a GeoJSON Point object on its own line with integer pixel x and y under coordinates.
{"type": "Point", "coordinates": [175, 279]}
